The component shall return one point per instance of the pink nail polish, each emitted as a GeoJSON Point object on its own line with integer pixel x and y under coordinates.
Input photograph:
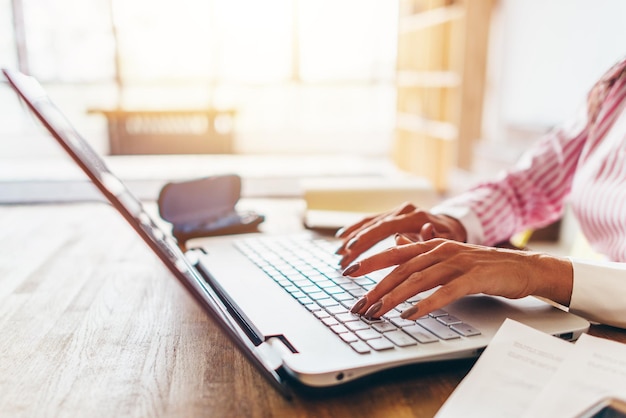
{"type": "Point", "coordinates": [351, 269]}
{"type": "Point", "coordinates": [358, 305]}
{"type": "Point", "coordinates": [373, 310]}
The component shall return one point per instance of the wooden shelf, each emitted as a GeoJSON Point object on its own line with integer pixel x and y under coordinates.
{"type": "Point", "coordinates": [438, 129]}
{"type": "Point", "coordinates": [441, 64]}
{"type": "Point", "coordinates": [408, 78]}
{"type": "Point", "coordinates": [430, 18]}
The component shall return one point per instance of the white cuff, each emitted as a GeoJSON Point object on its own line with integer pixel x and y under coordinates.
{"type": "Point", "coordinates": [598, 291]}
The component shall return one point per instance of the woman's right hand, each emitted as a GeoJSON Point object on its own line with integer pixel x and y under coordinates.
{"type": "Point", "coordinates": [409, 221]}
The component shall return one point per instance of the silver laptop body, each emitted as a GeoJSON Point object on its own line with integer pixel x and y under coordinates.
{"type": "Point", "coordinates": [280, 334]}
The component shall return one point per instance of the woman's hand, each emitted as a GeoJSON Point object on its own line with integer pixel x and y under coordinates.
{"type": "Point", "coordinates": [459, 269]}
{"type": "Point", "coordinates": [414, 223]}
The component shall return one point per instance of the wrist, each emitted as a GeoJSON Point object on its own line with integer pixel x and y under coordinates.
{"type": "Point", "coordinates": [555, 279]}
{"type": "Point", "coordinates": [458, 229]}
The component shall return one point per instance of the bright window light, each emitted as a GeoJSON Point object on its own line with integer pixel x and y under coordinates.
{"type": "Point", "coordinates": [301, 75]}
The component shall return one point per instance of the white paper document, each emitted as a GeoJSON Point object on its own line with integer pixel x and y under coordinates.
{"type": "Point", "coordinates": [595, 369]}
{"type": "Point", "coordinates": [527, 373]}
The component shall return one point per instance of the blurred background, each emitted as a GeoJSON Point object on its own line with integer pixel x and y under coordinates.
{"type": "Point", "coordinates": [446, 90]}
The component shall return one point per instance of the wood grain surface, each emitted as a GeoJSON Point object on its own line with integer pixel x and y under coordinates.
{"type": "Point", "coordinates": [93, 325]}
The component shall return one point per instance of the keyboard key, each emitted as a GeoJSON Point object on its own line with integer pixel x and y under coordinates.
{"type": "Point", "coordinates": [465, 330]}
{"type": "Point", "coordinates": [322, 314]}
{"type": "Point", "coordinates": [340, 281]}
{"type": "Point", "coordinates": [394, 313]}
{"type": "Point", "coordinates": [366, 334]}
{"type": "Point", "coordinates": [400, 339]}
{"type": "Point", "coordinates": [357, 293]}
{"type": "Point", "coordinates": [363, 281]}
{"type": "Point", "coordinates": [309, 289]}
{"type": "Point", "coordinates": [335, 309]}
{"type": "Point", "coordinates": [302, 283]}
{"type": "Point", "coordinates": [328, 302]}
{"type": "Point", "coordinates": [380, 344]}
{"type": "Point", "coordinates": [357, 325]}
{"type": "Point", "coordinates": [437, 328]}
{"type": "Point", "coordinates": [334, 290]}
{"type": "Point", "coordinates": [438, 312]}
{"type": "Point", "coordinates": [318, 295]}
{"type": "Point", "coordinates": [448, 320]}
{"type": "Point", "coordinates": [420, 334]}
{"type": "Point", "coordinates": [401, 322]}
{"type": "Point", "coordinates": [325, 283]}
{"type": "Point", "coordinates": [313, 307]}
{"type": "Point", "coordinates": [404, 306]}
{"type": "Point", "coordinates": [348, 303]}
{"type": "Point", "coordinates": [343, 296]}
{"type": "Point", "coordinates": [347, 317]}
{"type": "Point", "coordinates": [330, 321]}
{"type": "Point", "coordinates": [349, 337]}
{"type": "Point", "coordinates": [338, 329]}
{"type": "Point", "coordinates": [371, 320]}
{"type": "Point", "coordinates": [384, 326]}
{"type": "Point", "coordinates": [360, 347]}
{"type": "Point", "coordinates": [305, 300]}
{"type": "Point", "coordinates": [351, 286]}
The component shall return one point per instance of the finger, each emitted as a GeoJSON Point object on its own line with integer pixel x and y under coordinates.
{"type": "Point", "coordinates": [442, 227]}
{"type": "Point", "coordinates": [402, 239]}
{"type": "Point", "coordinates": [383, 301]}
{"type": "Point", "coordinates": [428, 231]}
{"type": "Point", "coordinates": [393, 256]}
{"type": "Point", "coordinates": [416, 271]}
{"type": "Point", "coordinates": [369, 221]}
{"type": "Point", "coordinates": [434, 229]}
{"type": "Point", "coordinates": [347, 230]}
{"type": "Point", "coordinates": [372, 235]}
{"type": "Point", "coordinates": [350, 232]}
{"type": "Point", "coordinates": [416, 282]}
{"type": "Point", "coordinates": [441, 298]}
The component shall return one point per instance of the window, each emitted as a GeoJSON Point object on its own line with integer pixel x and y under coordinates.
{"type": "Point", "coordinates": [302, 75]}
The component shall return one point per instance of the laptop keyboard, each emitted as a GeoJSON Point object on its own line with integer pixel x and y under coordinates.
{"type": "Point", "coordinates": [308, 270]}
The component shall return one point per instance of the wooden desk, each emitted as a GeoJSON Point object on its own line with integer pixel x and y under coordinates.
{"type": "Point", "coordinates": [93, 324]}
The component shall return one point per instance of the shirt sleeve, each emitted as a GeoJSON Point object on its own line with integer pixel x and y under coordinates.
{"type": "Point", "coordinates": [530, 195]}
{"type": "Point", "coordinates": [599, 291]}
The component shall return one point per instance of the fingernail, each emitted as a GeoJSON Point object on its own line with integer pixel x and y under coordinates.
{"type": "Point", "coordinates": [351, 243]}
{"type": "Point", "coordinates": [400, 237]}
{"type": "Point", "coordinates": [373, 310]}
{"type": "Point", "coordinates": [358, 305]}
{"type": "Point", "coordinates": [351, 269]}
{"type": "Point", "coordinates": [409, 312]}
{"type": "Point", "coordinates": [340, 232]}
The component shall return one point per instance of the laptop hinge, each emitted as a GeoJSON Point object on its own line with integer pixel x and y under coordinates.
{"type": "Point", "coordinates": [282, 343]}
{"type": "Point", "coordinates": [272, 352]}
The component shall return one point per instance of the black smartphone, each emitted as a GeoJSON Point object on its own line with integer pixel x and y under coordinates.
{"type": "Point", "coordinates": [606, 408]}
{"type": "Point", "coordinates": [228, 223]}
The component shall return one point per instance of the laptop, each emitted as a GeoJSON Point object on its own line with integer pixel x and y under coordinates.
{"type": "Point", "coordinates": [290, 317]}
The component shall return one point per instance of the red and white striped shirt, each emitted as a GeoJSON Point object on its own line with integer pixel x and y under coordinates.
{"type": "Point", "coordinates": [582, 164]}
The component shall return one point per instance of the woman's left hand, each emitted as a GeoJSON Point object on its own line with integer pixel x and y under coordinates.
{"type": "Point", "coordinates": [459, 269]}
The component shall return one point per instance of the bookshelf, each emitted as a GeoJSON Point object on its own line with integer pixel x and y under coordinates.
{"type": "Point", "coordinates": [442, 54]}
